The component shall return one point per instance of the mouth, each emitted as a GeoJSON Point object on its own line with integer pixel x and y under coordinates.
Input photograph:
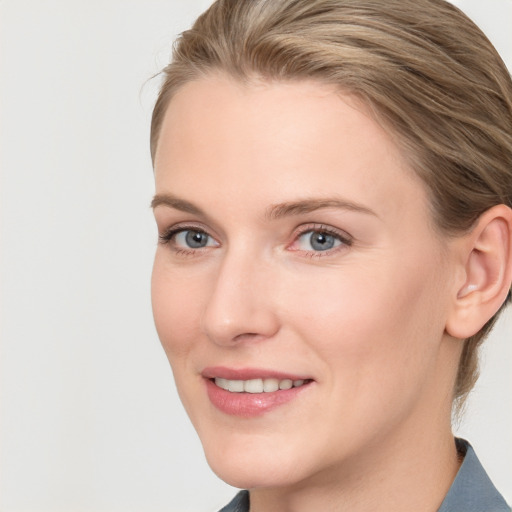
{"type": "Point", "coordinates": [262, 385]}
{"type": "Point", "coordinates": [249, 393]}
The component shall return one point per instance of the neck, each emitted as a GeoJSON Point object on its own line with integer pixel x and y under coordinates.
{"type": "Point", "coordinates": [410, 467]}
{"type": "Point", "coordinates": [406, 473]}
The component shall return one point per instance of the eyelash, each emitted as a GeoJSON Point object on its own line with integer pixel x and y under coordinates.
{"type": "Point", "coordinates": [345, 239]}
{"type": "Point", "coordinates": [168, 238]}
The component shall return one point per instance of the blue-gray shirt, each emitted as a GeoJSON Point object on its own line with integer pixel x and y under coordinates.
{"type": "Point", "coordinates": [471, 491]}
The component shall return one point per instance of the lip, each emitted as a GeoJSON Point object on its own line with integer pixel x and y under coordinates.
{"type": "Point", "coordinates": [224, 372]}
{"type": "Point", "coordinates": [249, 405]}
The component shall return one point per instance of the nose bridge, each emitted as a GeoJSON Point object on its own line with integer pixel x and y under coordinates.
{"type": "Point", "coordinates": [240, 302]}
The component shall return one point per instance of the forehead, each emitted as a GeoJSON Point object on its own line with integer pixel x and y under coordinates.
{"type": "Point", "coordinates": [267, 140]}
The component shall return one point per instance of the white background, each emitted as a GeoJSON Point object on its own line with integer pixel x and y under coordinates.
{"type": "Point", "coordinates": [89, 419]}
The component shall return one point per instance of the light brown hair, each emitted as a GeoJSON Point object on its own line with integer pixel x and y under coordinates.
{"type": "Point", "coordinates": [423, 68]}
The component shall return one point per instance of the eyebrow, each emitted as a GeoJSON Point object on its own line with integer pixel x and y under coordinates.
{"type": "Point", "coordinates": [176, 203]}
{"type": "Point", "coordinates": [310, 205]}
{"type": "Point", "coordinates": [274, 212]}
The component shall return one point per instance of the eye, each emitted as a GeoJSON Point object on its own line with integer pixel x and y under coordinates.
{"type": "Point", "coordinates": [192, 239]}
{"type": "Point", "coordinates": [187, 239]}
{"type": "Point", "coordinates": [317, 241]}
{"type": "Point", "coordinates": [320, 239]}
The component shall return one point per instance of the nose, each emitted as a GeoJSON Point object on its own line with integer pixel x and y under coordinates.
{"type": "Point", "coordinates": [241, 303]}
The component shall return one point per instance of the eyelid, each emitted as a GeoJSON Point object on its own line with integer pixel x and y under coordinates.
{"type": "Point", "coordinates": [345, 239]}
{"type": "Point", "coordinates": [167, 235]}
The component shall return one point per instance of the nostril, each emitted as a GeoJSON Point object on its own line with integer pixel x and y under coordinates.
{"type": "Point", "coordinates": [248, 336]}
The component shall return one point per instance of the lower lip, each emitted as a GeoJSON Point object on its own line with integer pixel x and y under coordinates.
{"type": "Point", "coordinates": [250, 405]}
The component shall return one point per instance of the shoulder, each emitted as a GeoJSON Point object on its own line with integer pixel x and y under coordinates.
{"type": "Point", "coordinates": [240, 503]}
{"type": "Point", "coordinates": [472, 489]}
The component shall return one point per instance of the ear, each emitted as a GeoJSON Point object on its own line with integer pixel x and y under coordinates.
{"type": "Point", "coordinates": [487, 273]}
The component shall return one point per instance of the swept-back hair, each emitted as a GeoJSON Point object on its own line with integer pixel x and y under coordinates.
{"type": "Point", "coordinates": [424, 69]}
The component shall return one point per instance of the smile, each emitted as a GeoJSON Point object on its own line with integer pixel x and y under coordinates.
{"type": "Point", "coordinates": [252, 392]}
{"type": "Point", "coordinates": [258, 385]}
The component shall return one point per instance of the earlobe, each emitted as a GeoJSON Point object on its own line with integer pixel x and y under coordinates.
{"type": "Point", "coordinates": [487, 260]}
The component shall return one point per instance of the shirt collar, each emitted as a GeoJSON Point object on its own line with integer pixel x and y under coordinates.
{"type": "Point", "coordinates": [472, 490]}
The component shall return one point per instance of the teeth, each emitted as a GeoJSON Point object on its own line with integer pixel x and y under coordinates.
{"type": "Point", "coordinates": [253, 386]}
{"type": "Point", "coordinates": [257, 385]}
{"type": "Point", "coordinates": [235, 386]}
{"type": "Point", "coordinates": [286, 384]}
{"type": "Point", "coordinates": [270, 385]}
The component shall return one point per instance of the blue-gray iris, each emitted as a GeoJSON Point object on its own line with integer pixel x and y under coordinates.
{"type": "Point", "coordinates": [321, 241]}
{"type": "Point", "coordinates": [196, 239]}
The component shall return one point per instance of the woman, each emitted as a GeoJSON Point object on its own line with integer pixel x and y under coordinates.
{"type": "Point", "coordinates": [333, 200]}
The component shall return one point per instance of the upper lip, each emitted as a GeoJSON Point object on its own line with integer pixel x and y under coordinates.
{"type": "Point", "coordinates": [224, 372]}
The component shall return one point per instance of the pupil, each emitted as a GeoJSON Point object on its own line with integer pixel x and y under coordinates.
{"type": "Point", "coordinates": [321, 241]}
{"type": "Point", "coordinates": [196, 239]}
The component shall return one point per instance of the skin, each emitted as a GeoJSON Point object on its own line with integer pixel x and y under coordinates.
{"type": "Point", "coordinates": [366, 320]}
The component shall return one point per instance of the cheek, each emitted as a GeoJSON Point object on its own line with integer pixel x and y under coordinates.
{"type": "Point", "coordinates": [372, 319]}
{"type": "Point", "coordinates": [176, 303]}
{"type": "Point", "coordinates": [377, 338]}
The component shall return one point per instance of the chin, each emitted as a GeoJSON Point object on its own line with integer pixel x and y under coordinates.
{"type": "Point", "coordinates": [242, 478]}
{"type": "Point", "coordinates": [247, 475]}
{"type": "Point", "coordinates": [248, 467]}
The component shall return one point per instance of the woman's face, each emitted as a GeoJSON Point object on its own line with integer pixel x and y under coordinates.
{"type": "Point", "coordinates": [296, 249]}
